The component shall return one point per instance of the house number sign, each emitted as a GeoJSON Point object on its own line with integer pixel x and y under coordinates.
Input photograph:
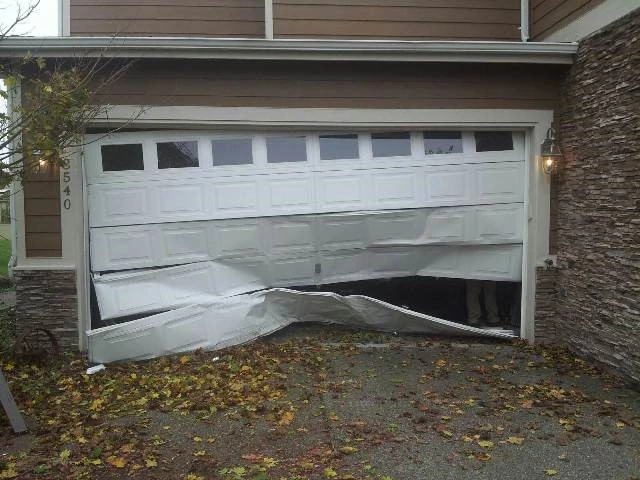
{"type": "Point", "coordinates": [66, 180]}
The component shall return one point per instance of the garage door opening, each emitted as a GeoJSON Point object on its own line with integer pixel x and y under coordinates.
{"type": "Point", "coordinates": [187, 226]}
{"type": "Point", "coordinates": [445, 298]}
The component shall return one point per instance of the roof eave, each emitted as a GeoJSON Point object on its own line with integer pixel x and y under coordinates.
{"type": "Point", "coordinates": [301, 50]}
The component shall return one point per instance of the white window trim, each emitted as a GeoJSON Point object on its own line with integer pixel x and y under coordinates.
{"type": "Point", "coordinates": [261, 166]}
{"type": "Point", "coordinates": [64, 18]}
{"type": "Point", "coordinates": [268, 19]}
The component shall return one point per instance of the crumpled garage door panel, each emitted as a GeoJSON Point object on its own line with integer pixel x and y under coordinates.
{"type": "Point", "coordinates": [150, 291]}
{"type": "Point", "coordinates": [240, 319]}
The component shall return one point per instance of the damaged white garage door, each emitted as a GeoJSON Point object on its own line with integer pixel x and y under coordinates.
{"type": "Point", "coordinates": [240, 319]}
{"type": "Point", "coordinates": [211, 217]}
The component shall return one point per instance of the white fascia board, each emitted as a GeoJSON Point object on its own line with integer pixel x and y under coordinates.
{"type": "Point", "coordinates": [593, 20]}
{"type": "Point", "coordinates": [265, 117]}
{"type": "Point", "coordinates": [301, 50]}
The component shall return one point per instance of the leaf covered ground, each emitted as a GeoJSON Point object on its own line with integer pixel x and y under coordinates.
{"type": "Point", "coordinates": [315, 403]}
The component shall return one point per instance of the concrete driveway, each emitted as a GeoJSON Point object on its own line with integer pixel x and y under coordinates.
{"type": "Point", "coordinates": [319, 403]}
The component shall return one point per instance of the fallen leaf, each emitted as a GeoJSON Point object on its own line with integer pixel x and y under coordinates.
{"type": "Point", "coordinates": [330, 472]}
{"type": "Point", "coordinates": [515, 440]}
{"type": "Point", "coordinates": [252, 457]}
{"type": "Point", "coordinates": [348, 450]}
{"type": "Point", "coordinates": [117, 462]}
{"type": "Point", "coordinates": [485, 443]}
{"type": "Point", "coordinates": [151, 462]}
{"type": "Point", "coordinates": [269, 462]}
{"type": "Point", "coordinates": [286, 418]}
{"type": "Point", "coordinates": [550, 472]}
{"type": "Point", "coordinates": [9, 472]}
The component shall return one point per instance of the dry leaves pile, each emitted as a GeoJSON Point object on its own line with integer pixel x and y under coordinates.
{"type": "Point", "coordinates": [228, 414]}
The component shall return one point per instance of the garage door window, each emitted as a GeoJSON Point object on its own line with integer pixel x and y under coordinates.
{"type": "Point", "coordinates": [391, 144]}
{"type": "Point", "coordinates": [437, 143]}
{"type": "Point", "coordinates": [122, 157]}
{"type": "Point", "coordinates": [339, 147]}
{"type": "Point", "coordinates": [286, 149]}
{"type": "Point", "coordinates": [495, 141]}
{"type": "Point", "coordinates": [177, 154]}
{"type": "Point", "coordinates": [235, 151]}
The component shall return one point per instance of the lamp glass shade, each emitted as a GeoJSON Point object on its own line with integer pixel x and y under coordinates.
{"type": "Point", "coordinates": [550, 152]}
{"type": "Point", "coordinates": [548, 165]}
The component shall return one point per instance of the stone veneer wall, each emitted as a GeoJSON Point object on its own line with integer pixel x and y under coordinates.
{"type": "Point", "coordinates": [48, 299]}
{"type": "Point", "coordinates": [598, 195]}
{"type": "Point", "coordinates": [546, 305]}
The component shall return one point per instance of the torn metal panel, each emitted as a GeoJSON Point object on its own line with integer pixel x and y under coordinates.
{"type": "Point", "coordinates": [239, 319]}
{"type": "Point", "coordinates": [162, 244]}
{"type": "Point", "coordinates": [148, 291]}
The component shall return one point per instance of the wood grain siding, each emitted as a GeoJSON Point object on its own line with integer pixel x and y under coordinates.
{"type": "Point", "coordinates": [398, 19]}
{"type": "Point", "coordinates": [548, 16]}
{"type": "Point", "coordinates": [337, 85]}
{"type": "Point", "coordinates": [201, 18]}
{"type": "Point", "coordinates": [43, 236]}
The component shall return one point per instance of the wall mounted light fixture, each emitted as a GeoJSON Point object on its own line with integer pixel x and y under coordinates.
{"type": "Point", "coordinates": [550, 152]}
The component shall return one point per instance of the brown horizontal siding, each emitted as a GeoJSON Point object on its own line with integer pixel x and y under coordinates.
{"type": "Point", "coordinates": [401, 19]}
{"type": "Point", "coordinates": [43, 224]}
{"type": "Point", "coordinates": [215, 18]}
{"type": "Point", "coordinates": [548, 16]}
{"type": "Point", "coordinates": [43, 236]}
{"type": "Point", "coordinates": [337, 85]}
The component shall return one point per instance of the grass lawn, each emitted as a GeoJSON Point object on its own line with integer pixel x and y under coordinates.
{"type": "Point", "coordinates": [5, 254]}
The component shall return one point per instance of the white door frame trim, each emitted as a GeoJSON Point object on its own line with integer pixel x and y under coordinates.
{"type": "Point", "coordinates": [534, 122]}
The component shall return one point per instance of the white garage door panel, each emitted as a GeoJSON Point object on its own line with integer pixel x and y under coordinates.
{"type": "Point", "coordinates": [235, 198]}
{"type": "Point", "coordinates": [240, 319]}
{"type": "Point", "coordinates": [474, 184]}
{"type": "Point", "coordinates": [173, 287]}
{"type": "Point", "coordinates": [286, 193]}
{"type": "Point", "coordinates": [292, 234]}
{"type": "Point", "coordinates": [496, 183]}
{"type": "Point", "coordinates": [398, 188]}
{"type": "Point", "coordinates": [138, 246]}
{"type": "Point", "coordinates": [181, 200]}
{"type": "Point", "coordinates": [342, 191]}
{"type": "Point", "coordinates": [153, 291]}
